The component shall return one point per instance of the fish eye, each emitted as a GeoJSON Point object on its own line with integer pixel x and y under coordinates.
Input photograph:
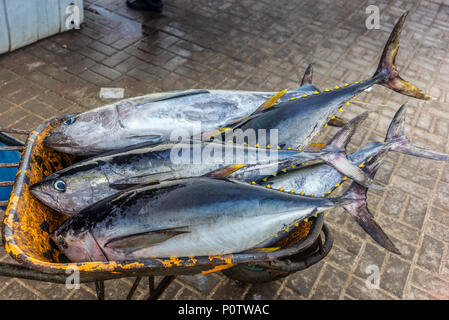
{"type": "Point", "coordinates": [59, 185]}
{"type": "Point", "coordinates": [70, 121]}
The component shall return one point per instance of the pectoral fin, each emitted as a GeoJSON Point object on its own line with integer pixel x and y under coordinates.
{"type": "Point", "coordinates": [145, 239]}
{"type": "Point", "coordinates": [132, 182]}
{"type": "Point", "coordinates": [146, 138]}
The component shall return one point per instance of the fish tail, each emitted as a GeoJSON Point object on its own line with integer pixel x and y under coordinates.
{"type": "Point", "coordinates": [397, 141]}
{"type": "Point", "coordinates": [334, 154]}
{"type": "Point", "coordinates": [387, 70]}
{"type": "Point", "coordinates": [359, 211]}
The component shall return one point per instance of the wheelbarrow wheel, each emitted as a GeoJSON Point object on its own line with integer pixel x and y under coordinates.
{"type": "Point", "coordinates": [265, 273]}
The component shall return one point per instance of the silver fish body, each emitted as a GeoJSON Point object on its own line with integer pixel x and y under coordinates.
{"type": "Point", "coordinates": [320, 179]}
{"type": "Point", "coordinates": [156, 118]}
{"type": "Point", "coordinates": [191, 217]}
{"type": "Point", "coordinates": [84, 183]}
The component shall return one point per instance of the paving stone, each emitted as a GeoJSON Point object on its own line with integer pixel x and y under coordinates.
{"type": "Point", "coordinates": [437, 230]}
{"type": "Point", "coordinates": [360, 290]}
{"type": "Point", "coordinates": [431, 284]}
{"type": "Point", "coordinates": [5, 105]}
{"type": "Point", "coordinates": [15, 291]}
{"type": "Point", "coordinates": [394, 276]}
{"type": "Point", "coordinates": [40, 109]}
{"type": "Point", "coordinates": [230, 290]}
{"type": "Point", "coordinates": [49, 290]}
{"type": "Point", "coordinates": [331, 284]}
{"type": "Point", "coordinates": [439, 216]}
{"type": "Point", "coordinates": [372, 257]}
{"type": "Point", "coordinates": [431, 254]}
{"type": "Point", "coordinates": [263, 291]}
{"type": "Point", "coordinates": [415, 213]}
{"type": "Point", "coordinates": [202, 283]}
{"type": "Point", "coordinates": [302, 282]}
{"type": "Point", "coordinates": [188, 294]}
{"type": "Point", "coordinates": [418, 294]}
{"type": "Point", "coordinates": [83, 294]}
{"type": "Point", "coordinates": [169, 293]}
{"type": "Point", "coordinates": [394, 203]}
{"type": "Point", "coordinates": [341, 257]}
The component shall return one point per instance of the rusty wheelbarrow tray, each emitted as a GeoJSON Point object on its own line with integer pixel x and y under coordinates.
{"type": "Point", "coordinates": [28, 223]}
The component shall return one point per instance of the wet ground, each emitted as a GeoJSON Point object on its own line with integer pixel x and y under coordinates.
{"type": "Point", "coordinates": [266, 45]}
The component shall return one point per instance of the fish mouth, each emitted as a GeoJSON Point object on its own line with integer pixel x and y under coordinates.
{"type": "Point", "coordinates": [43, 196]}
{"type": "Point", "coordinates": [57, 139]}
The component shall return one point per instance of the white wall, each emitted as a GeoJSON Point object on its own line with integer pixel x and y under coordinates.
{"type": "Point", "coordinates": [25, 21]}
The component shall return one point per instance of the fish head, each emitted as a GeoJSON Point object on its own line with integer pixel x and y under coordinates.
{"type": "Point", "coordinates": [69, 192]}
{"type": "Point", "coordinates": [65, 138]}
{"type": "Point", "coordinates": [77, 246]}
{"type": "Point", "coordinates": [84, 133]}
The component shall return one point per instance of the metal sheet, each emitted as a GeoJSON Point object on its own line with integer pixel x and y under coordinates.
{"type": "Point", "coordinates": [48, 18]}
{"type": "Point", "coordinates": [4, 37]}
{"type": "Point", "coordinates": [23, 22]}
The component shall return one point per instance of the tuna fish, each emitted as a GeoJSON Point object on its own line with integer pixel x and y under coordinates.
{"type": "Point", "coordinates": [154, 117]}
{"type": "Point", "coordinates": [298, 121]}
{"type": "Point", "coordinates": [181, 218]}
{"type": "Point", "coordinates": [86, 182]}
{"type": "Point", "coordinates": [319, 180]}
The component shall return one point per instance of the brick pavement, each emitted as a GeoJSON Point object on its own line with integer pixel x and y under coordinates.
{"type": "Point", "coordinates": [265, 45]}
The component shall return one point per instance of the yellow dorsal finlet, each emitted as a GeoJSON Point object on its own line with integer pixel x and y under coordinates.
{"type": "Point", "coordinates": [270, 102]}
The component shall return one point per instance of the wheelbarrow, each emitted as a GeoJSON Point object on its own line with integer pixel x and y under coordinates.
{"type": "Point", "coordinates": [28, 223]}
